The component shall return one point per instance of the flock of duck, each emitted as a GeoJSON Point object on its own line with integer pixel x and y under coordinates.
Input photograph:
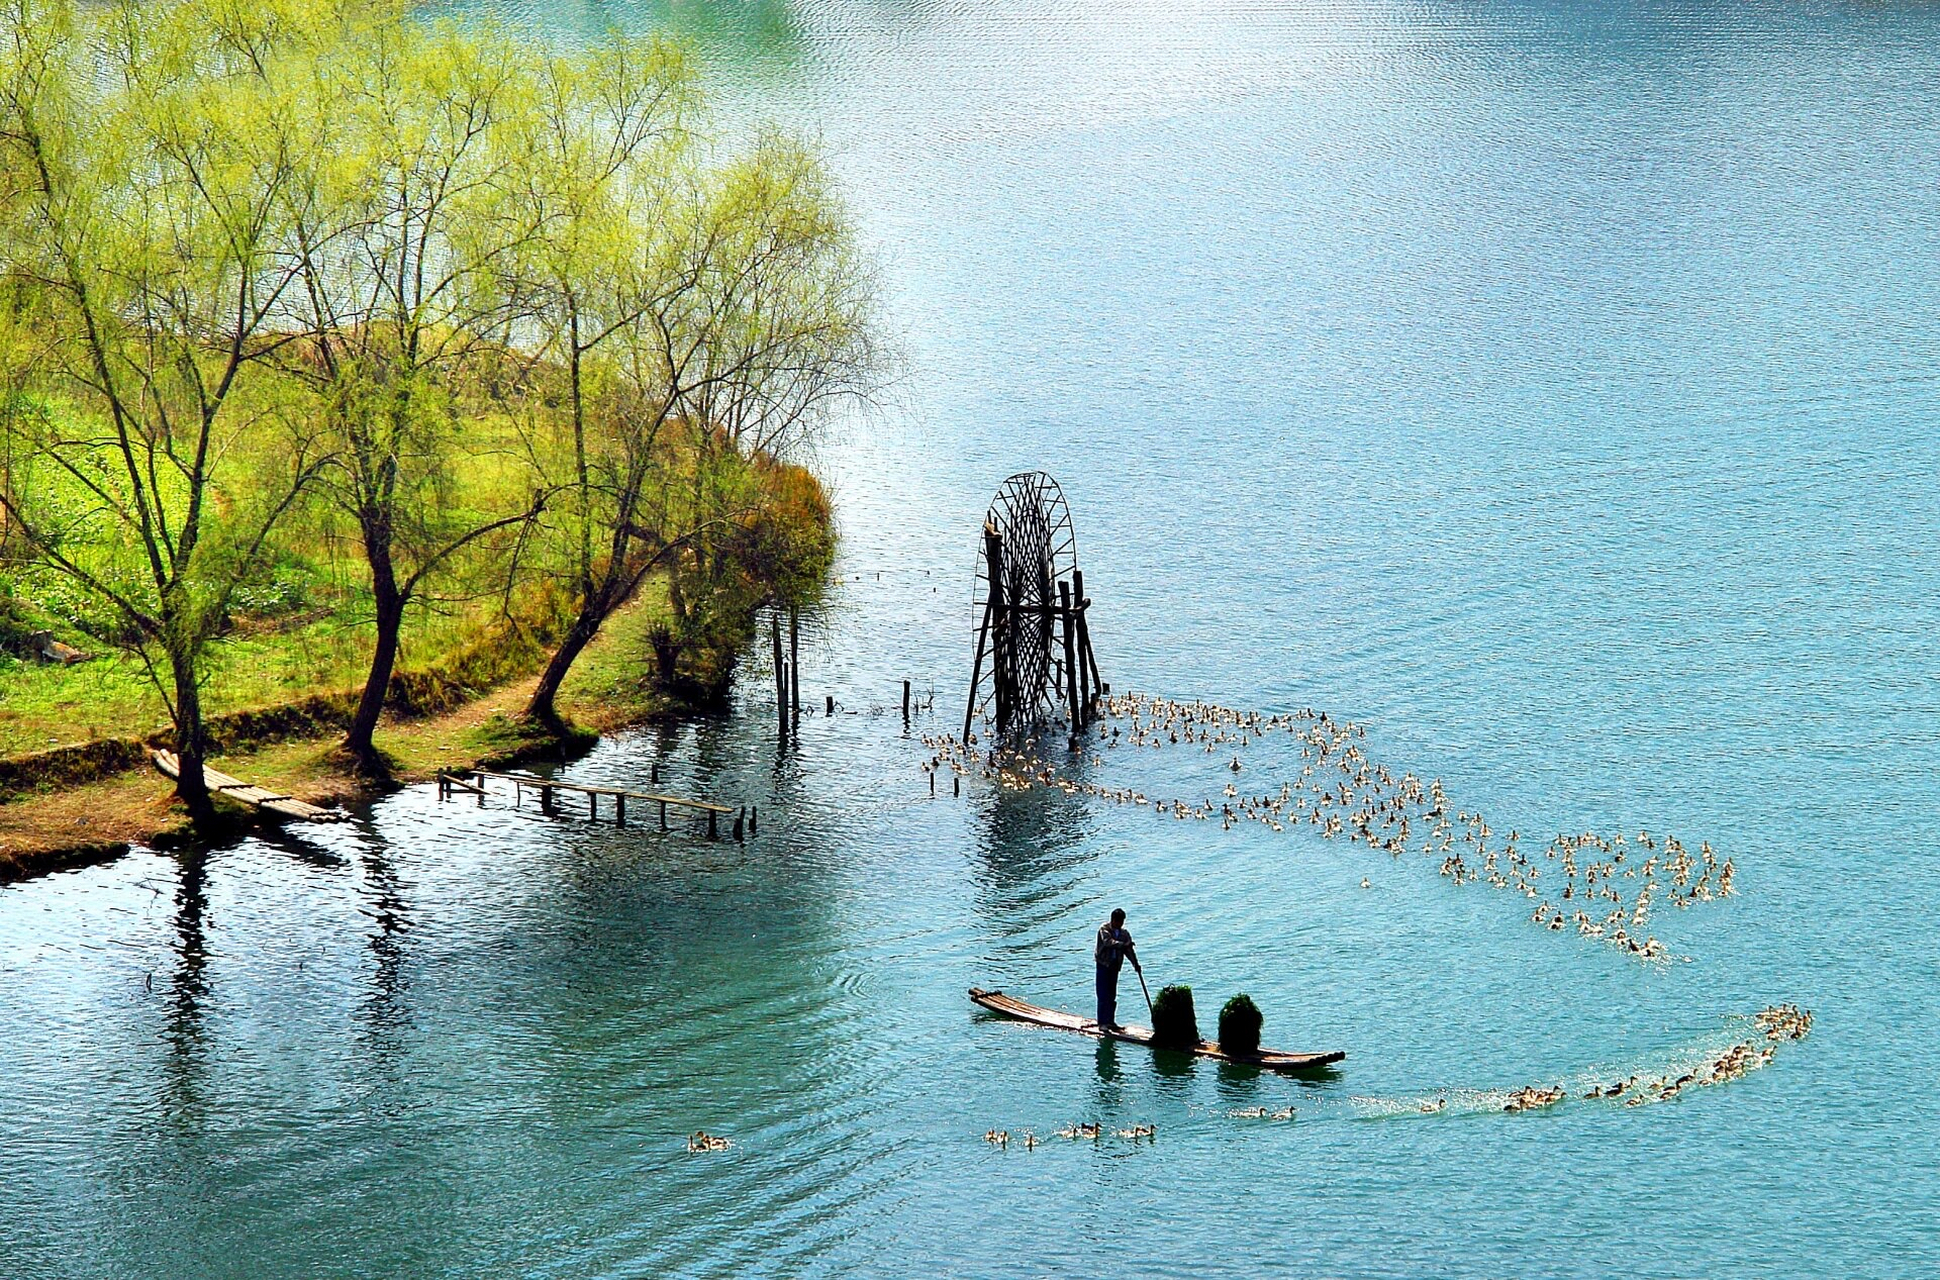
{"type": "Point", "coordinates": [1601, 887]}
{"type": "Point", "coordinates": [1772, 1027]}
{"type": "Point", "coordinates": [1776, 1024]}
{"type": "Point", "coordinates": [1070, 1133]}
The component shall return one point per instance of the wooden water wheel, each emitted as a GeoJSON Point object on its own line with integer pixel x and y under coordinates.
{"type": "Point", "coordinates": [1031, 605]}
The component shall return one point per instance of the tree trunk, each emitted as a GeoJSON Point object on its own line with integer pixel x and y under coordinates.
{"type": "Point", "coordinates": [389, 603]}
{"type": "Point", "coordinates": [191, 742]}
{"type": "Point", "coordinates": [541, 708]}
{"type": "Point", "coordinates": [383, 660]}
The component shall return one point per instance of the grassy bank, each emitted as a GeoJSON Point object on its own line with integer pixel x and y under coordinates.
{"type": "Point", "coordinates": [76, 779]}
{"type": "Point", "coordinates": [613, 684]}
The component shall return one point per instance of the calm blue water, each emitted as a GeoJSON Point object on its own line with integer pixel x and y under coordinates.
{"type": "Point", "coordinates": [1550, 388]}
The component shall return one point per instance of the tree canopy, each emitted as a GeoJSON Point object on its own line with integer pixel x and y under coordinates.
{"type": "Point", "coordinates": [491, 311]}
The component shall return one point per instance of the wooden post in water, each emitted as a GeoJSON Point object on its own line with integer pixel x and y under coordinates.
{"type": "Point", "coordinates": [795, 667]}
{"type": "Point", "coordinates": [1088, 661]}
{"type": "Point", "coordinates": [1003, 639]}
{"type": "Point", "coordinates": [619, 810]}
{"type": "Point", "coordinates": [781, 675]}
{"type": "Point", "coordinates": [663, 815]}
{"type": "Point", "coordinates": [713, 830]}
{"type": "Point", "coordinates": [740, 820]}
{"type": "Point", "coordinates": [976, 671]}
{"type": "Point", "coordinates": [754, 820]}
{"type": "Point", "coordinates": [905, 704]}
{"type": "Point", "coordinates": [1071, 665]}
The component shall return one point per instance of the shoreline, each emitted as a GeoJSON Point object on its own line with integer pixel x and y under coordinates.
{"type": "Point", "coordinates": [102, 817]}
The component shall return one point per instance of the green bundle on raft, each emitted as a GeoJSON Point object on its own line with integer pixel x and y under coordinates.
{"type": "Point", "coordinates": [1173, 1020]}
{"type": "Point", "coordinates": [1239, 1025]}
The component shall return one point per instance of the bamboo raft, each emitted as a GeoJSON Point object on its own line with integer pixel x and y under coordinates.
{"type": "Point", "coordinates": [1269, 1059]}
{"type": "Point", "coordinates": [261, 799]}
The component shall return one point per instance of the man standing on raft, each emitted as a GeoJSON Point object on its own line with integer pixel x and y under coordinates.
{"type": "Point", "coordinates": [1113, 947]}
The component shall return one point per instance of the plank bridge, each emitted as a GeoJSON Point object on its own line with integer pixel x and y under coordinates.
{"type": "Point", "coordinates": [472, 781]}
{"type": "Point", "coordinates": [261, 799]}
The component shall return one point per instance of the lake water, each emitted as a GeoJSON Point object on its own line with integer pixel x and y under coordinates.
{"type": "Point", "coordinates": [1550, 388]}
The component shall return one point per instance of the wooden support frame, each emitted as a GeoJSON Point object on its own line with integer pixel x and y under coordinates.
{"type": "Point", "coordinates": [1088, 684]}
{"type": "Point", "coordinates": [1070, 630]}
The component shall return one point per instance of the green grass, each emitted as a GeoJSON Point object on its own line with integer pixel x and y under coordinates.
{"type": "Point", "coordinates": [617, 670]}
{"type": "Point", "coordinates": [46, 706]}
{"type": "Point", "coordinates": [300, 624]}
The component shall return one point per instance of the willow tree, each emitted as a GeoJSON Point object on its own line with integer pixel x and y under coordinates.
{"type": "Point", "coordinates": [787, 338]}
{"type": "Point", "coordinates": [403, 233]}
{"type": "Point", "coordinates": [611, 155]}
{"type": "Point", "coordinates": [143, 156]}
{"type": "Point", "coordinates": [730, 325]}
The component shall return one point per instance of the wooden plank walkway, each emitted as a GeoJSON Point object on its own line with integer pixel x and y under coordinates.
{"type": "Point", "coordinates": [262, 799]}
{"type": "Point", "coordinates": [449, 782]}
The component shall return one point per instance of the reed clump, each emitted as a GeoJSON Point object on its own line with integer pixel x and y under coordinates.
{"type": "Point", "coordinates": [1173, 1021]}
{"type": "Point", "coordinates": [1239, 1025]}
